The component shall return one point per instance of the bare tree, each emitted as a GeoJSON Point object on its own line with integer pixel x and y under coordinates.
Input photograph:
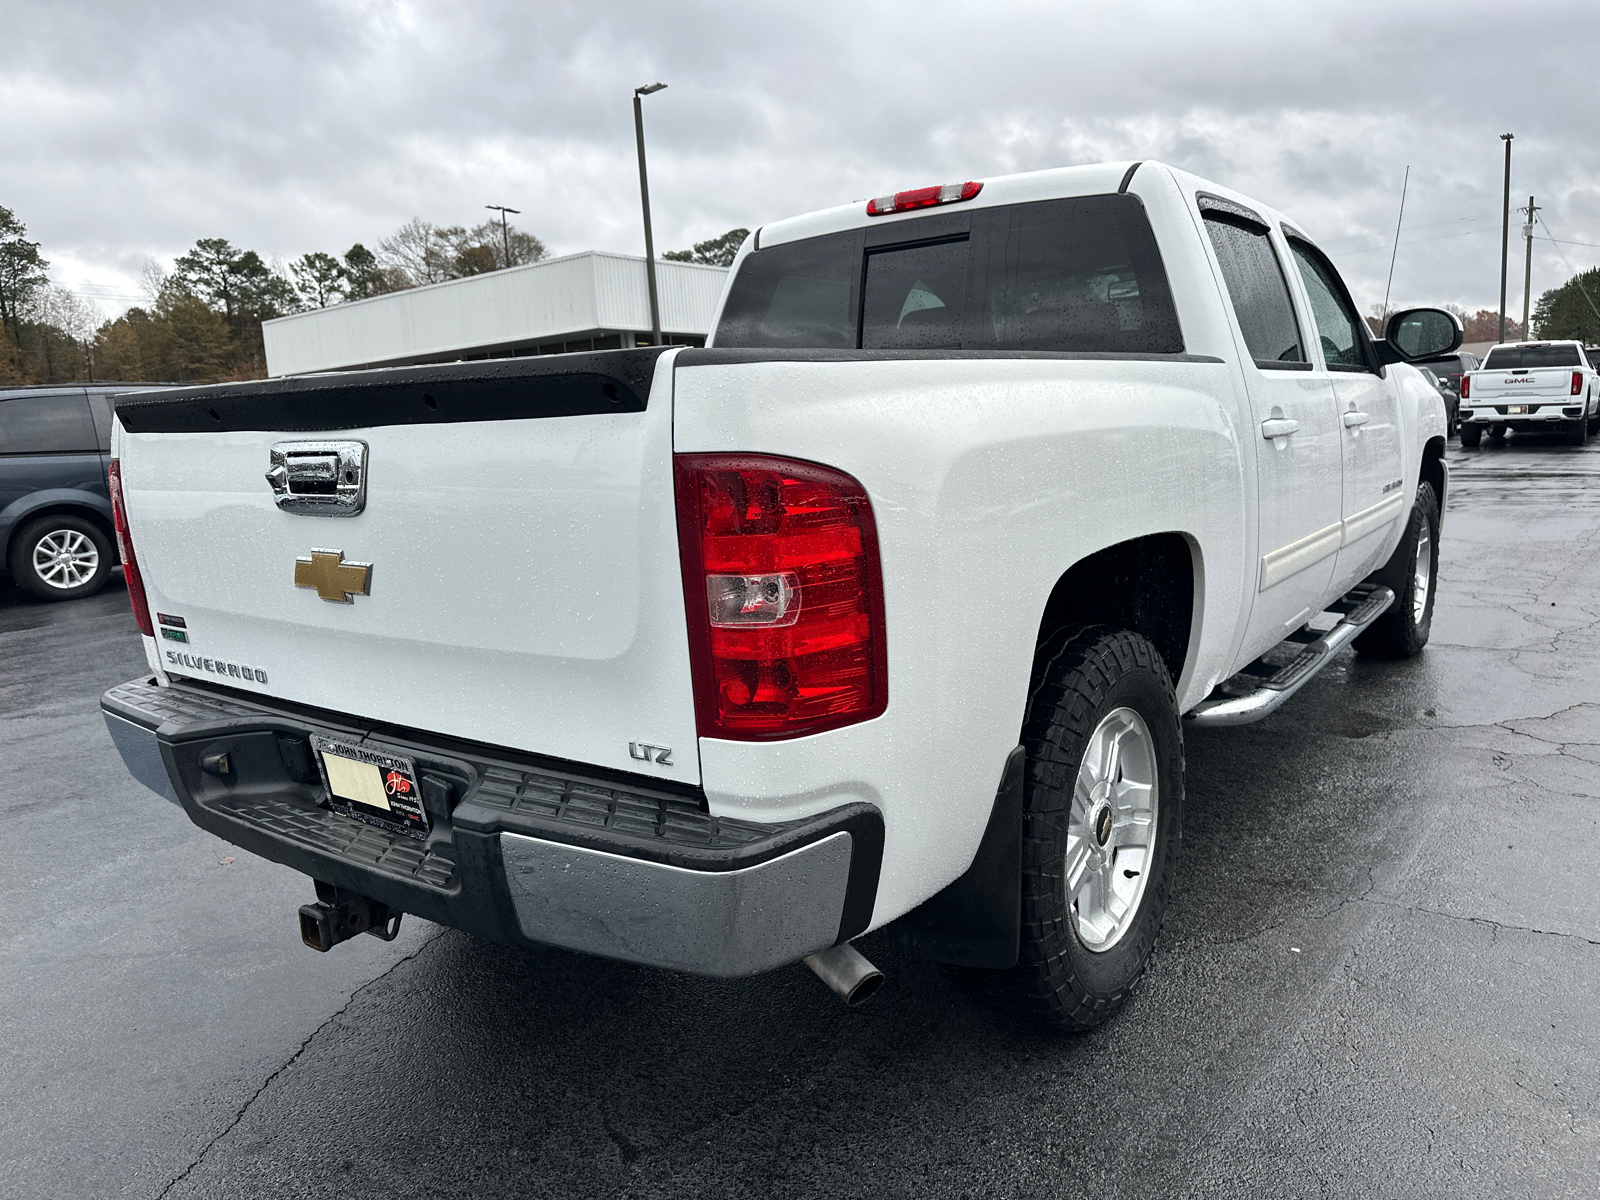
{"type": "Point", "coordinates": [71, 314]}
{"type": "Point", "coordinates": [416, 251]}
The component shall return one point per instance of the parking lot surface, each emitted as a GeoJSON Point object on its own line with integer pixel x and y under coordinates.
{"type": "Point", "coordinates": [1379, 975]}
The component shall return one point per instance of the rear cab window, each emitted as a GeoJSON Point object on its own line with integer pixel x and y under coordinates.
{"type": "Point", "coordinates": [1531, 358]}
{"type": "Point", "coordinates": [1081, 274]}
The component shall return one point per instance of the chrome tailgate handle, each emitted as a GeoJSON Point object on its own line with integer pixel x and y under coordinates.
{"type": "Point", "coordinates": [1278, 427]}
{"type": "Point", "coordinates": [319, 479]}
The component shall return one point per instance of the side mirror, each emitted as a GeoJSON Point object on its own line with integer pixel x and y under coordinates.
{"type": "Point", "coordinates": [1421, 333]}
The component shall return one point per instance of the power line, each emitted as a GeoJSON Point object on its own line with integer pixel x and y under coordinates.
{"type": "Point", "coordinates": [1565, 241]}
{"type": "Point", "coordinates": [1424, 225]}
{"type": "Point", "coordinates": [1577, 276]}
{"type": "Point", "coordinates": [1443, 237]}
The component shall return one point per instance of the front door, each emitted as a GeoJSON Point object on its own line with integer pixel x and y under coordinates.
{"type": "Point", "coordinates": [1295, 431]}
{"type": "Point", "coordinates": [1369, 422]}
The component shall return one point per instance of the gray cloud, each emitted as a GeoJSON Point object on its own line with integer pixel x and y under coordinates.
{"type": "Point", "coordinates": [132, 130]}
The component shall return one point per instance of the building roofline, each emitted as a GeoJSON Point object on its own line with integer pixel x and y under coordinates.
{"type": "Point", "coordinates": [471, 279]}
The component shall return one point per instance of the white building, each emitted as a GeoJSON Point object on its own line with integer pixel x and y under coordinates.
{"type": "Point", "coordinates": [588, 301]}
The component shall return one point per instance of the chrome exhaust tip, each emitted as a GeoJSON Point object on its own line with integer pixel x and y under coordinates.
{"type": "Point", "coordinates": [847, 971]}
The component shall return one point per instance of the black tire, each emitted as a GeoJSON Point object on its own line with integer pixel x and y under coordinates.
{"type": "Point", "coordinates": [59, 530]}
{"type": "Point", "coordinates": [1471, 435]}
{"type": "Point", "coordinates": [1402, 631]}
{"type": "Point", "coordinates": [1578, 431]}
{"type": "Point", "coordinates": [1497, 432]}
{"type": "Point", "coordinates": [1082, 675]}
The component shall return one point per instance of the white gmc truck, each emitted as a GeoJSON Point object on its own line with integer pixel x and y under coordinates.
{"type": "Point", "coordinates": [1531, 387]}
{"type": "Point", "coordinates": [885, 609]}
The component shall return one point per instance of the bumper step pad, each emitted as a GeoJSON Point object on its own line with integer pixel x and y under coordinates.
{"type": "Point", "coordinates": [522, 849]}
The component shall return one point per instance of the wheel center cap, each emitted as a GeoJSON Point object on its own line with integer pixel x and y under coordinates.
{"type": "Point", "coordinates": [1102, 825]}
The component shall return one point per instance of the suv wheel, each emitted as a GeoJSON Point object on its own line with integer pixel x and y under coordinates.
{"type": "Point", "coordinates": [61, 558]}
{"type": "Point", "coordinates": [1102, 818]}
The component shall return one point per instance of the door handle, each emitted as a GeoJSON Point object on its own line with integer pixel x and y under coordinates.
{"type": "Point", "coordinates": [1352, 419]}
{"type": "Point", "coordinates": [1279, 427]}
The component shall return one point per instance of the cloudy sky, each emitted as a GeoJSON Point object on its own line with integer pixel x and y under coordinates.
{"type": "Point", "coordinates": [133, 129]}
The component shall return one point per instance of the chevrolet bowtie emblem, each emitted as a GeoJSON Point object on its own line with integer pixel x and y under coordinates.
{"type": "Point", "coordinates": [335, 580]}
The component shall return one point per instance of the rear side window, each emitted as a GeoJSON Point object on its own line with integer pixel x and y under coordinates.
{"type": "Point", "coordinates": [1531, 358]}
{"type": "Point", "coordinates": [1080, 274]}
{"type": "Point", "coordinates": [47, 425]}
{"type": "Point", "coordinates": [1259, 291]}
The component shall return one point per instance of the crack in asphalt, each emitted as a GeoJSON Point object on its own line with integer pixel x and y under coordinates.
{"type": "Point", "coordinates": [1499, 926]}
{"type": "Point", "coordinates": [289, 1062]}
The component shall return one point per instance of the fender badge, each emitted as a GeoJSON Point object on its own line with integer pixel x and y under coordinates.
{"type": "Point", "coordinates": [335, 580]}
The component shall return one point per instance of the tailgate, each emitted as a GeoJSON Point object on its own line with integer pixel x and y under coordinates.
{"type": "Point", "coordinates": [518, 519]}
{"type": "Point", "coordinates": [1516, 386]}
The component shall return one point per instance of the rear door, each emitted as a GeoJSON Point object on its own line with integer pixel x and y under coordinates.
{"type": "Point", "coordinates": [511, 576]}
{"type": "Point", "coordinates": [1296, 434]}
{"type": "Point", "coordinates": [1371, 444]}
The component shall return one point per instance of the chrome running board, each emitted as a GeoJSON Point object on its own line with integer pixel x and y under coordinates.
{"type": "Point", "coordinates": [1261, 687]}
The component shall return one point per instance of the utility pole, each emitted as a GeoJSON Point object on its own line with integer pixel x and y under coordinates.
{"type": "Point", "coordinates": [644, 201]}
{"type": "Point", "coordinates": [505, 230]}
{"type": "Point", "coordinates": [1505, 234]}
{"type": "Point", "coordinates": [1527, 269]}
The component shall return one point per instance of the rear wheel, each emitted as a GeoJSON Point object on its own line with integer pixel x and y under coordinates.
{"type": "Point", "coordinates": [61, 558]}
{"type": "Point", "coordinates": [1578, 431]}
{"type": "Point", "coordinates": [1412, 570]}
{"type": "Point", "coordinates": [1471, 435]}
{"type": "Point", "coordinates": [1103, 808]}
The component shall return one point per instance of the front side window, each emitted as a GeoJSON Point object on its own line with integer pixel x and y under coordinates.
{"type": "Point", "coordinates": [1338, 328]}
{"type": "Point", "coordinates": [1531, 358]}
{"type": "Point", "coordinates": [1258, 289]}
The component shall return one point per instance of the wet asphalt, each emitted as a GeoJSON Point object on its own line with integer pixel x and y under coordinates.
{"type": "Point", "coordinates": [1379, 974]}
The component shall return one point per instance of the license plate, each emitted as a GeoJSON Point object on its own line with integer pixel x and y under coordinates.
{"type": "Point", "coordinates": [1516, 408]}
{"type": "Point", "coordinates": [379, 789]}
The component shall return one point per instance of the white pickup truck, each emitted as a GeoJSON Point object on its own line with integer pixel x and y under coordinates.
{"type": "Point", "coordinates": [886, 608]}
{"type": "Point", "coordinates": [1531, 387]}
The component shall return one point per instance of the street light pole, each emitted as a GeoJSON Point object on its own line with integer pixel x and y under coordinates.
{"type": "Point", "coordinates": [1505, 234]}
{"type": "Point", "coordinates": [505, 231]}
{"type": "Point", "coordinates": [644, 200]}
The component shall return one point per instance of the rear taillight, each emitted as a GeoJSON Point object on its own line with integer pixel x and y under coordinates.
{"type": "Point", "coordinates": [130, 565]}
{"type": "Point", "coordinates": [1466, 387]}
{"type": "Point", "coordinates": [784, 595]}
{"type": "Point", "coordinates": [1577, 383]}
{"type": "Point", "coordinates": [922, 198]}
